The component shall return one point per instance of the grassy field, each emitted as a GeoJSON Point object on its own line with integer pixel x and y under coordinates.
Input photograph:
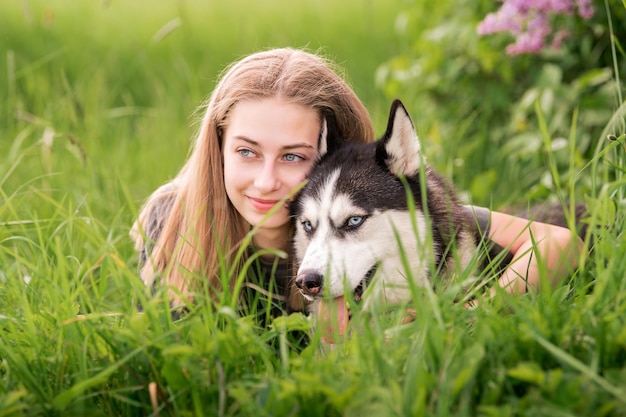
{"type": "Point", "coordinates": [97, 107]}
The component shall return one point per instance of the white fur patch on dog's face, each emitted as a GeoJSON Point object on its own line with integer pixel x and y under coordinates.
{"type": "Point", "coordinates": [343, 242]}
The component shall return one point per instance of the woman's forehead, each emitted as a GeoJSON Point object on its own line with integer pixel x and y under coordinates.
{"type": "Point", "coordinates": [274, 120]}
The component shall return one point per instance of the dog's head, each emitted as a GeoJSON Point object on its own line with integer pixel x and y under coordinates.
{"type": "Point", "coordinates": [351, 218]}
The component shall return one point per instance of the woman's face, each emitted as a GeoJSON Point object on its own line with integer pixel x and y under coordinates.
{"type": "Point", "coordinates": [269, 147]}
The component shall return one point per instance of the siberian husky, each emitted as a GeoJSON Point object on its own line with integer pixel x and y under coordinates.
{"type": "Point", "coordinates": [356, 233]}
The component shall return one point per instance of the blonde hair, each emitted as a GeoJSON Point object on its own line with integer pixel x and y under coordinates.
{"type": "Point", "coordinates": [202, 223]}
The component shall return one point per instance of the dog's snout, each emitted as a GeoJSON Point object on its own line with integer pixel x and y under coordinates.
{"type": "Point", "coordinates": [310, 282]}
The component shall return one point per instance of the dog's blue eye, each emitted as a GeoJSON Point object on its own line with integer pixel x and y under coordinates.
{"type": "Point", "coordinates": [307, 226]}
{"type": "Point", "coordinates": [355, 221]}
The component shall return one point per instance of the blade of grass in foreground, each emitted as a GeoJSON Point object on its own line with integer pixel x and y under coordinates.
{"type": "Point", "coordinates": [63, 399]}
{"type": "Point", "coordinates": [619, 394]}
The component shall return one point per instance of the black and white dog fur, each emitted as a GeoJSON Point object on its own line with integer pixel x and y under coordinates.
{"type": "Point", "coordinates": [355, 230]}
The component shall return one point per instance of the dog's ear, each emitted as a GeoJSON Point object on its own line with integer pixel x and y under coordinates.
{"type": "Point", "coordinates": [322, 147]}
{"type": "Point", "coordinates": [400, 143]}
{"type": "Point", "coordinates": [330, 140]}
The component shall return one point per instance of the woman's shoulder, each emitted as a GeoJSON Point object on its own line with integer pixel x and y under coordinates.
{"type": "Point", "coordinates": [152, 216]}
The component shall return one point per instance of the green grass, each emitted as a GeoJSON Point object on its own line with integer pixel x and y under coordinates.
{"type": "Point", "coordinates": [97, 108]}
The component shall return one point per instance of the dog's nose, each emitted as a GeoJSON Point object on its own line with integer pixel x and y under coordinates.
{"type": "Point", "coordinates": [310, 282]}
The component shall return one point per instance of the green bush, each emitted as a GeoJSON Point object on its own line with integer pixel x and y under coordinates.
{"type": "Point", "coordinates": [479, 108]}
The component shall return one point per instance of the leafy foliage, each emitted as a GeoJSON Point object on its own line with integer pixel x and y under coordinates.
{"type": "Point", "coordinates": [450, 73]}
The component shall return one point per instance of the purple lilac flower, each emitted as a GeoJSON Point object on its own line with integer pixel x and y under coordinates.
{"type": "Point", "coordinates": [585, 9]}
{"type": "Point", "coordinates": [529, 22]}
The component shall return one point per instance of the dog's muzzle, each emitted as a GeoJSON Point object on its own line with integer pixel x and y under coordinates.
{"type": "Point", "coordinates": [310, 283]}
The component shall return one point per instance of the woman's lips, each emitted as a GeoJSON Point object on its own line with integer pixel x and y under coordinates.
{"type": "Point", "coordinates": [262, 205]}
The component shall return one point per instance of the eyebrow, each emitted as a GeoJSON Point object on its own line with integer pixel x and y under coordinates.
{"type": "Point", "coordinates": [286, 147]}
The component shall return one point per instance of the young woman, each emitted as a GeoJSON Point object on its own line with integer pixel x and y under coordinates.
{"type": "Point", "coordinates": [258, 140]}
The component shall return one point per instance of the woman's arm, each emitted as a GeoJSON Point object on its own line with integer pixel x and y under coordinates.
{"type": "Point", "coordinates": [535, 246]}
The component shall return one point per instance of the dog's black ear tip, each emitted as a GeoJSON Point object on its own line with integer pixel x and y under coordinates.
{"type": "Point", "coordinates": [397, 102]}
{"type": "Point", "coordinates": [396, 105]}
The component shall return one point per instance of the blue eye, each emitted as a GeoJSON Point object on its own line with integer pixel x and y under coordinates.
{"type": "Point", "coordinates": [292, 157]}
{"type": "Point", "coordinates": [307, 226]}
{"type": "Point", "coordinates": [246, 153]}
{"type": "Point", "coordinates": [355, 221]}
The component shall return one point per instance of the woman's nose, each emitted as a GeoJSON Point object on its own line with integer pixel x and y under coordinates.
{"type": "Point", "coordinates": [267, 180]}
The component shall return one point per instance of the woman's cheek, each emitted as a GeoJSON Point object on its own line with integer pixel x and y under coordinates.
{"type": "Point", "coordinates": [308, 169]}
{"type": "Point", "coordinates": [304, 174]}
